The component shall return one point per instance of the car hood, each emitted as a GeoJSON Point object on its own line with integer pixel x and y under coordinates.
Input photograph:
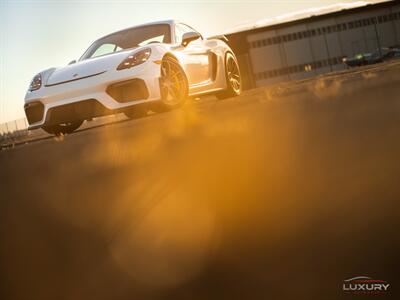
{"type": "Point", "coordinates": [87, 68]}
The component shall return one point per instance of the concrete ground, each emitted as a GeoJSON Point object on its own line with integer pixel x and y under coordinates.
{"type": "Point", "coordinates": [281, 193]}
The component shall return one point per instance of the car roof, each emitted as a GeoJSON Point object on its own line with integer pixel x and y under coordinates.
{"type": "Point", "coordinates": [168, 22]}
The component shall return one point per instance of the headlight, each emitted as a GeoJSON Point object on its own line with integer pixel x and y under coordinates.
{"type": "Point", "coordinates": [36, 83]}
{"type": "Point", "coordinates": [135, 59]}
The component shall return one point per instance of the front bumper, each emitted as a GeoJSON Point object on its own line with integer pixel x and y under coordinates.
{"type": "Point", "coordinates": [106, 93]}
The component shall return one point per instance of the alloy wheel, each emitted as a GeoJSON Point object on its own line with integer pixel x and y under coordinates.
{"type": "Point", "coordinates": [173, 83]}
{"type": "Point", "coordinates": [233, 74]}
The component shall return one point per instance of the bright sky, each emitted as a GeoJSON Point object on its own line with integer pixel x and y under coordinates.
{"type": "Point", "coordinates": [39, 34]}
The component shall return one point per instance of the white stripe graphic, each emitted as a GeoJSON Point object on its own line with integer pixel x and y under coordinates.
{"type": "Point", "coordinates": [358, 277]}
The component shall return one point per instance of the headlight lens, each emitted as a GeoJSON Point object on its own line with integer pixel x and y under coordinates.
{"type": "Point", "coordinates": [36, 83]}
{"type": "Point", "coordinates": [135, 59]}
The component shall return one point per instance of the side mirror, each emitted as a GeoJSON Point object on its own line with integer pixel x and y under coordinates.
{"type": "Point", "coordinates": [189, 37]}
{"type": "Point", "coordinates": [72, 62]}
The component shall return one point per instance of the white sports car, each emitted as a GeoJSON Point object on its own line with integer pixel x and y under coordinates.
{"type": "Point", "coordinates": [155, 66]}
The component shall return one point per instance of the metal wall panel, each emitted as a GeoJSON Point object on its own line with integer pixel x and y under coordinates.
{"type": "Point", "coordinates": [396, 23]}
{"type": "Point", "coordinates": [317, 46]}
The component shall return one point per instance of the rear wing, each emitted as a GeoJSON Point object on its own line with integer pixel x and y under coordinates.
{"type": "Point", "coordinates": [218, 37]}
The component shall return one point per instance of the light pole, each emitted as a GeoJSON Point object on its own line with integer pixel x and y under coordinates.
{"type": "Point", "coordinates": [377, 37]}
{"type": "Point", "coordinates": [327, 50]}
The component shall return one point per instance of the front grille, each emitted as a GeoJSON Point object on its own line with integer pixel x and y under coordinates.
{"type": "Point", "coordinates": [34, 112]}
{"type": "Point", "coordinates": [81, 110]}
{"type": "Point", "coordinates": [130, 90]}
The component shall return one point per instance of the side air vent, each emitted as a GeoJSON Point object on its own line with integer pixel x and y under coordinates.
{"type": "Point", "coordinates": [34, 112]}
{"type": "Point", "coordinates": [126, 91]}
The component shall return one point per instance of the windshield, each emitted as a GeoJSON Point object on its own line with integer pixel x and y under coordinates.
{"type": "Point", "coordinates": [129, 38]}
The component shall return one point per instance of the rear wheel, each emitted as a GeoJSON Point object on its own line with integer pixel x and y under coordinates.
{"type": "Point", "coordinates": [173, 85]}
{"type": "Point", "coordinates": [65, 128]}
{"type": "Point", "coordinates": [233, 78]}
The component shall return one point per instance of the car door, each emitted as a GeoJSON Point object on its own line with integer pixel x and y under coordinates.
{"type": "Point", "coordinates": [196, 57]}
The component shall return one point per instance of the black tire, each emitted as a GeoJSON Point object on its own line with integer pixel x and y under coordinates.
{"type": "Point", "coordinates": [136, 112]}
{"type": "Point", "coordinates": [173, 86]}
{"type": "Point", "coordinates": [62, 128]}
{"type": "Point", "coordinates": [233, 78]}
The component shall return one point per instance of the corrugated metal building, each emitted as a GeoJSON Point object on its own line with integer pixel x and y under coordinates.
{"type": "Point", "coordinates": [314, 42]}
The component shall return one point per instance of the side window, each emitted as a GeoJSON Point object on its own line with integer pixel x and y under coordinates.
{"type": "Point", "coordinates": [106, 49]}
{"type": "Point", "coordinates": [180, 30]}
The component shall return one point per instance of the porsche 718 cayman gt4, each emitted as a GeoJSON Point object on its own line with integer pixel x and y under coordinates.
{"type": "Point", "coordinates": [154, 66]}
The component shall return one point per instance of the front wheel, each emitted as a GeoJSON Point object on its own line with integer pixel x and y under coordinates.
{"type": "Point", "coordinates": [65, 128]}
{"type": "Point", "coordinates": [233, 78]}
{"type": "Point", "coordinates": [173, 85]}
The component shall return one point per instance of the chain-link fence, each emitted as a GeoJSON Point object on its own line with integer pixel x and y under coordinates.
{"type": "Point", "coordinates": [13, 126]}
{"type": "Point", "coordinates": [13, 129]}
{"type": "Point", "coordinates": [17, 131]}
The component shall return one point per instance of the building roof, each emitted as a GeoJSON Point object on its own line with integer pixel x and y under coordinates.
{"type": "Point", "coordinates": [304, 14]}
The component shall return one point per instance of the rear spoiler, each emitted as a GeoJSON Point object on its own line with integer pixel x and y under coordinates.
{"type": "Point", "coordinates": [219, 37]}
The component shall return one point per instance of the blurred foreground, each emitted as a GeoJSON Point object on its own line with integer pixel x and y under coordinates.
{"type": "Point", "coordinates": [279, 194]}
